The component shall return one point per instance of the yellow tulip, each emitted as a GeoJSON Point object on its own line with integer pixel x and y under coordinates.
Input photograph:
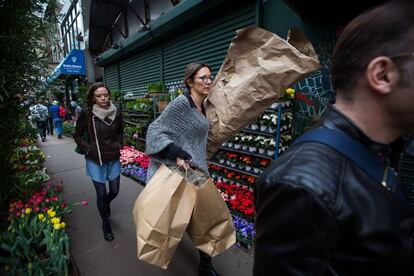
{"type": "Point", "coordinates": [51, 213]}
{"type": "Point", "coordinates": [55, 220]}
{"type": "Point", "coordinates": [41, 217]}
{"type": "Point", "coordinates": [62, 225]}
{"type": "Point", "coordinates": [28, 210]}
{"type": "Point", "coordinates": [56, 226]}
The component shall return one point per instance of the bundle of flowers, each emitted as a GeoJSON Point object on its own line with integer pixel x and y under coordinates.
{"type": "Point", "coordinates": [35, 241]}
{"type": "Point", "coordinates": [143, 161]}
{"type": "Point", "coordinates": [27, 157]}
{"type": "Point", "coordinates": [128, 154]}
{"type": "Point", "coordinates": [27, 163]}
{"type": "Point", "coordinates": [245, 231]}
{"type": "Point", "coordinates": [135, 172]}
{"type": "Point", "coordinates": [134, 163]}
{"type": "Point", "coordinates": [238, 198]}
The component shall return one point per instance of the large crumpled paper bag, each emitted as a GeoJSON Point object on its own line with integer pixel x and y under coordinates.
{"type": "Point", "coordinates": [258, 67]}
{"type": "Point", "coordinates": [161, 215]}
{"type": "Point", "coordinates": [211, 227]}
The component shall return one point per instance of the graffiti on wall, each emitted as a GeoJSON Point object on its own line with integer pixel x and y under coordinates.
{"type": "Point", "coordinates": [314, 92]}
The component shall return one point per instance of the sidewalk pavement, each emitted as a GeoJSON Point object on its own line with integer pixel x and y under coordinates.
{"type": "Point", "coordinates": [95, 256]}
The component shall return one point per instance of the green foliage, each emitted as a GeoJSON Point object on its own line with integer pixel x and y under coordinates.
{"type": "Point", "coordinates": [68, 128]}
{"type": "Point", "coordinates": [156, 87]}
{"type": "Point", "coordinates": [22, 71]}
{"type": "Point", "coordinates": [116, 95]}
{"type": "Point", "coordinates": [143, 105]}
{"type": "Point", "coordinates": [81, 95]}
{"type": "Point", "coordinates": [27, 164]}
{"type": "Point", "coordinates": [56, 92]}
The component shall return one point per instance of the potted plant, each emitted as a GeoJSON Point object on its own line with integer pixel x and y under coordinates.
{"type": "Point", "coordinates": [156, 88]}
{"type": "Point", "coordinates": [246, 141]}
{"type": "Point", "coordinates": [236, 141]}
{"type": "Point", "coordinates": [264, 122]}
{"type": "Point", "coordinates": [269, 145]}
{"type": "Point", "coordinates": [221, 157]}
{"type": "Point", "coordinates": [258, 142]}
{"type": "Point", "coordinates": [272, 123]}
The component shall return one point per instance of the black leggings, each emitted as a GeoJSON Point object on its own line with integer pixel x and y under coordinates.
{"type": "Point", "coordinates": [103, 199]}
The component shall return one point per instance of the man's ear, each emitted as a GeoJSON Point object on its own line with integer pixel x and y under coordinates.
{"type": "Point", "coordinates": [382, 74]}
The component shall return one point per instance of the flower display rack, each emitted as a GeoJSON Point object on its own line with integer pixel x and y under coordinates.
{"type": "Point", "coordinates": [247, 154]}
{"type": "Point", "coordinates": [137, 114]}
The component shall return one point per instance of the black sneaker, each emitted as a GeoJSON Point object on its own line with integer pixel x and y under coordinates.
{"type": "Point", "coordinates": [107, 231]}
{"type": "Point", "coordinates": [43, 139]}
{"type": "Point", "coordinates": [60, 136]}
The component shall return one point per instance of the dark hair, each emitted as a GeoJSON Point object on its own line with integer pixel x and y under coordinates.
{"type": "Point", "coordinates": [191, 70]}
{"type": "Point", "coordinates": [386, 30]}
{"type": "Point", "coordinates": [91, 93]}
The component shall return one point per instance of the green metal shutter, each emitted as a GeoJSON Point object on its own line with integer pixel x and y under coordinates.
{"type": "Point", "coordinates": [111, 76]}
{"type": "Point", "coordinates": [208, 43]}
{"type": "Point", "coordinates": [140, 70]}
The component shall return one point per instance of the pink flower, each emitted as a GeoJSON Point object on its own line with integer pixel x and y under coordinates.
{"type": "Point", "coordinates": [84, 203]}
{"type": "Point", "coordinates": [36, 209]}
{"type": "Point", "coordinates": [45, 209]}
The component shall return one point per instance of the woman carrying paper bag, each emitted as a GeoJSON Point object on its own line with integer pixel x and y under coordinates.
{"type": "Point", "coordinates": [179, 135]}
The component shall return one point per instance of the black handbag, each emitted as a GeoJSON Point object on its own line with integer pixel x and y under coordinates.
{"type": "Point", "coordinates": [85, 137]}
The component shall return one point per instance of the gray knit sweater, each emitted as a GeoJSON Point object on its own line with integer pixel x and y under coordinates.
{"type": "Point", "coordinates": [182, 125]}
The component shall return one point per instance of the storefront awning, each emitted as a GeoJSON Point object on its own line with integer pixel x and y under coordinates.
{"type": "Point", "coordinates": [73, 64]}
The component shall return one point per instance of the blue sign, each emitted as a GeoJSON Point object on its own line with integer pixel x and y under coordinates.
{"type": "Point", "coordinates": [73, 64]}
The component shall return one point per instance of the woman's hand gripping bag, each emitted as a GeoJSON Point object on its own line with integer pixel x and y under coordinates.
{"type": "Point", "coordinates": [161, 214]}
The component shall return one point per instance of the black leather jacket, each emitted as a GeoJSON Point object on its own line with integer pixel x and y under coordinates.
{"type": "Point", "coordinates": [109, 138]}
{"type": "Point", "coordinates": [319, 214]}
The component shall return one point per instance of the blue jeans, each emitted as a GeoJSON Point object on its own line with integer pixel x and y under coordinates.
{"type": "Point", "coordinates": [57, 122]}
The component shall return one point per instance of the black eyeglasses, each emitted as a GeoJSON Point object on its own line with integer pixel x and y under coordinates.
{"type": "Point", "coordinates": [205, 78]}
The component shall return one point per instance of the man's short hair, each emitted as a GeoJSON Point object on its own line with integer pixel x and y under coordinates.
{"type": "Point", "coordinates": [385, 30]}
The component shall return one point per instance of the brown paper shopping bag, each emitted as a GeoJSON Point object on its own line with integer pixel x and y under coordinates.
{"type": "Point", "coordinates": [211, 227]}
{"type": "Point", "coordinates": [161, 214]}
{"type": "Point", "coordinates": [258, 68]}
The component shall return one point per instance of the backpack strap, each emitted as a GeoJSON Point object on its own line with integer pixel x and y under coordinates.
{"type": "Point", "coordinates": [358, 154]}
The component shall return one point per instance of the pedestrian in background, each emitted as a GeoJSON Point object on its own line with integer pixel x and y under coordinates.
{"type": "Point", "coordinates": [49, 119]}
{"type": "Point", "coordinates": [179, 134]}
{"type": "Point", "coordinates": [77, 109]}
{"type": "Point", "coordinates": [39, 115]}
{"type": "Point", "coordinates": [318, 212]}
{"type": "Point", "coordinates": [55, 112]}
{"type": "Point", "coordinates": [103, 126]}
